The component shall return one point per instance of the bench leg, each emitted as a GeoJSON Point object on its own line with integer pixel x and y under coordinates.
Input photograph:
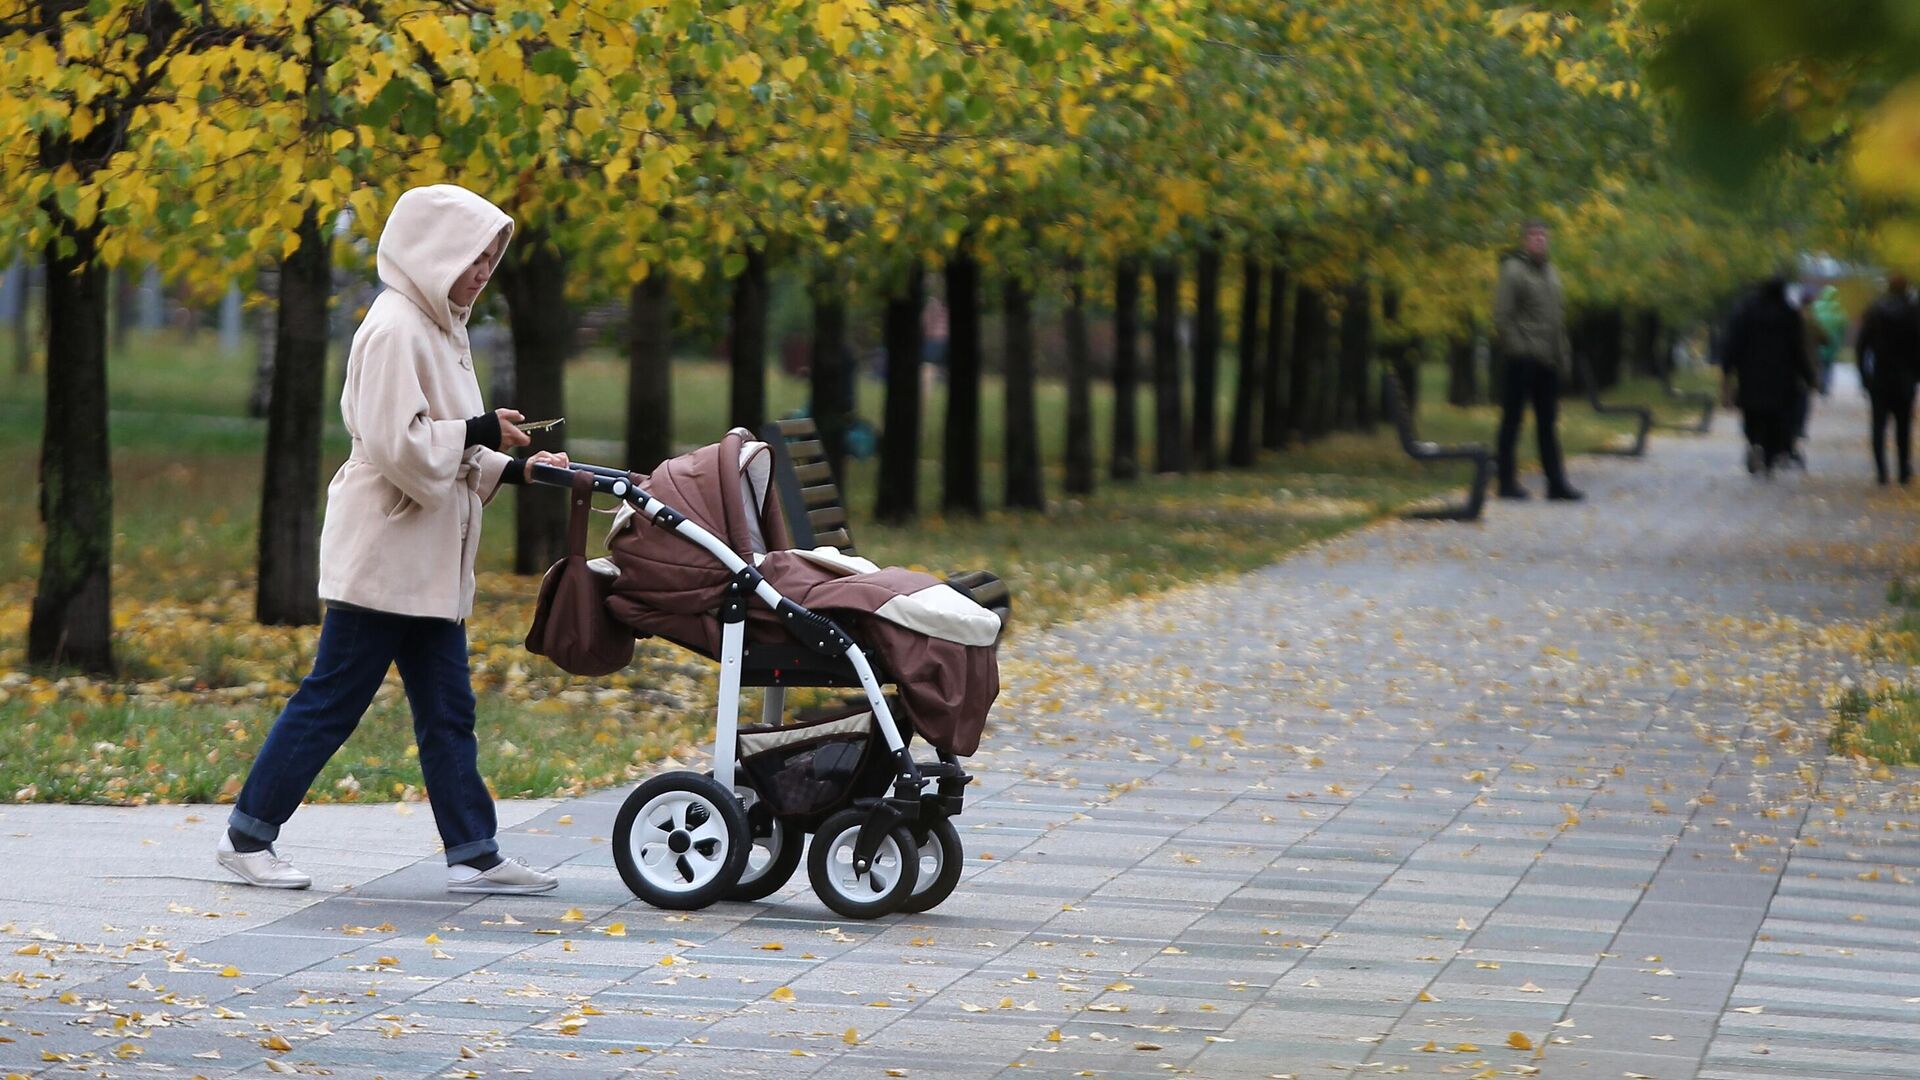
{"type": "Point", "coordinates": [1476, 497]}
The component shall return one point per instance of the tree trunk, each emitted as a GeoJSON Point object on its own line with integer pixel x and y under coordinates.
{"type": "Point", "coordinates": [1281, 386]}
{"type": "Point", "coordinates": [1169, 440]}
{"type": "Point", "coordinates": [266, 341]}
{"type": "Point", "coordinates": [1024, 486]}
{"type": "Point", "coordinates": [650, 372]}
{"type": "Point", "coordinates": [1206, 359]}
{"type": "Point", "coordinates": [22, 315]}
{"type": "Point", "coordinates": [898, 500]}
{"type": "Point", "coordinates": [1463, 378]}
{"type": "Point", "coordinates": [1600, 333]}
{"type": "Point", "coordinates": [829, 376]}
{"type": "Point", "coordinates": [1247, 395]}
{"type": "Point", "coordinates": [960, 469]}
{"type": "Point", "coordinates": [1356, 358]}
{"type": "Point", "coordinates": [1080, 468]}
{"type": "Point", "coordinates": [1406, 359]}
{"type": "Point", "coordinates": [1401, 353]}
{"type": "Point", "coordinates": [1647, 335]}
{"type": "Point", "coordinates": [747, 397]}
{"type": "Point", "coordinates": [533, 278]}
{"type": "Point", "coordinates": [1304, 374]}
{"type": "Point", "coordinates": [72, 620]}
{"type": "Point", "coordinates": [288, 593]}
{"type": "Point", "coordinates": [1126, 370]}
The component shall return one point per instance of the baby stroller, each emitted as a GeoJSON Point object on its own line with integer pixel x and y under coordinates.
{"type": "Point", "coordinates": [703, 573]}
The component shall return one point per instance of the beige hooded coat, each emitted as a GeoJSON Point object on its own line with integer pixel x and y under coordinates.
{"type": "Point", "coordinates": [403, 513]}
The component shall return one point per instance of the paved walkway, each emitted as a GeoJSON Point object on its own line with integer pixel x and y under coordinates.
{"type": "Point", "coordinates": [1545, 796]}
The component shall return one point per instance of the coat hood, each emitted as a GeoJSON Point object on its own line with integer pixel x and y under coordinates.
{"type": "Point", "coordinates": [432, 236]}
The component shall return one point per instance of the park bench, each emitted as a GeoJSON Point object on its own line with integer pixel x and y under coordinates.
{"type": "Point", "coordinates": [1698, 399]}
{"type": "Point", "coordinates": [1643, 416]}
{"type": "Point", "coordinates": [1422, 450]}
{"type": "Point", "coordinates": [816, 512]}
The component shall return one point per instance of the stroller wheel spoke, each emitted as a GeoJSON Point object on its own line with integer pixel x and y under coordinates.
{"type": "Point", "coordinates": [686, 869]}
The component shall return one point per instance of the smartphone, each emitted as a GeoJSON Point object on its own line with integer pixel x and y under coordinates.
{"type": "Point", "coordinates": [532, 426]}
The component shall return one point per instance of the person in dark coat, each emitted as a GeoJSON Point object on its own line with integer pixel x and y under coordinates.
{"type": "Point", "coordinates": [1768, 371]}
{"type": "Point", "coordinates": [1530, 331]}
{"type": "Point", "coordinates": [1889, 352]}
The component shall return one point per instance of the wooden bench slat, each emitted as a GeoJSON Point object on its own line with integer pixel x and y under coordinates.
{"type": "Point", "coordinates": [808, 451]}
{"type": "Point", "coordinates": [828, 519]}
{"type": "Point", "coordinates": [820, 495]}
{"type": "Point", "coordinates": [818, 472]}
{"type": "Point", "coordinates": [838, 538]}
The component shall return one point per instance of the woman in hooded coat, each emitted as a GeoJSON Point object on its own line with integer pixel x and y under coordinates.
{"type": "Point", "coordinates": [398, 546]}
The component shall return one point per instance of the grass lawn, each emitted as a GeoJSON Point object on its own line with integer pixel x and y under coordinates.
{"type": "Point", "coordinates": [201, 683]}
{"type": "Point", "coordinates": [1882, 722]}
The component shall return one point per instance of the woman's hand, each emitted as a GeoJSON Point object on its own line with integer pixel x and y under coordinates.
{"type": "Point", "coordinates": [548, 457]}
{"type": "Point", "coordinates": [510, 436]}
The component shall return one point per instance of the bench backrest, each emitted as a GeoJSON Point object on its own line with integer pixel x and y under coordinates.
{"type": "Point", "coordinates": [809, 497]}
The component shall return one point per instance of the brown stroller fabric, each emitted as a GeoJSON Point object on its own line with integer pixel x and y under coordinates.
{"type": "Point", "coordinates": [672, 574]}
{"type": "Point", "coordinates": [572, 625]}
{"type": "Point", "coordinates": [670, 587]}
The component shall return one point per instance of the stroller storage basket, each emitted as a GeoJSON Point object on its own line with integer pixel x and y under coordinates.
{"type": "Point", "coordinates": [802, 769]}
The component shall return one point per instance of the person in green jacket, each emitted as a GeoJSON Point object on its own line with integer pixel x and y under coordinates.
{"type": "Point", "coordinates": [1832, 318]}
{"type": "Point", "coordinates": [1530, 330]}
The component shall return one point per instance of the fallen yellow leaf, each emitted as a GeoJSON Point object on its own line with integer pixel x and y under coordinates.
{"type": "Point", "coordinates": [783, 994]}
{"type": "Point", "coordinates": [1519, 1041]}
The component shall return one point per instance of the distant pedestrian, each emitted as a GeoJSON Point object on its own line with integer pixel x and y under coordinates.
{"type": "Point", "coordinates": [1889, 352]}
{"type": "Point", "coordinates": [1832, 316]}
{"type": "Point", "coordinates": [1768, 370]}
{"type": "Point", "coordinates": [1530, 331]}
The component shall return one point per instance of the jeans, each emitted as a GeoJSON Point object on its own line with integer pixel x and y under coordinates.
{"type": "Point", "coordinates": [1531, 380]}
{"type": "Point", "coordinates": [1893, 403]}
{"type": "Point", "coordinates": [356, 649]}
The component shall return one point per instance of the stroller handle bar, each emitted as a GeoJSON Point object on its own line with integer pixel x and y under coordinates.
{"type": "Point", "coordinates": [815, 631]}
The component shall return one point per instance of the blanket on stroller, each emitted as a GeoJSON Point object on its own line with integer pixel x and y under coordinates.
{"type": "Point", "coordinates": [930, 639]}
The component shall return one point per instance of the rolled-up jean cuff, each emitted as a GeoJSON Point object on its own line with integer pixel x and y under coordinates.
{"type": "Point", "coordinates": [477, 848]}
{"type": "Point", "coordinates": [247, 825]}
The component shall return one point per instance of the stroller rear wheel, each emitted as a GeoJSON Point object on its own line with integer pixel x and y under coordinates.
{"type": "Point", "coordinates": [774, 847]}
{"type": "Point", "coordinates": [940, 860]}
{"type": "Point", "coordinates": [680, 841]}
{"type": "Point", "coordinates": [881, 888]}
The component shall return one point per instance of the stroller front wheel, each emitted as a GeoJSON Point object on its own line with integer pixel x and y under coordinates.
{"type": "Point", "coordinates": [680, 841]}
{"type": "Point", "coordinates": [881, 888]}
{"type": "Point", "coordinates": [940, 863]}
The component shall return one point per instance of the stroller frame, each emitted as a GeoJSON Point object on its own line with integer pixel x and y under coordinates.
{"type": "Point", "coordinates": [825, 655]}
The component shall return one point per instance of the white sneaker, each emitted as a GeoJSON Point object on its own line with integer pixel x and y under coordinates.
{"type": "Point", "coordinates": [261, 868]}
{"type": "Point", "coordinates": [511, 876]}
